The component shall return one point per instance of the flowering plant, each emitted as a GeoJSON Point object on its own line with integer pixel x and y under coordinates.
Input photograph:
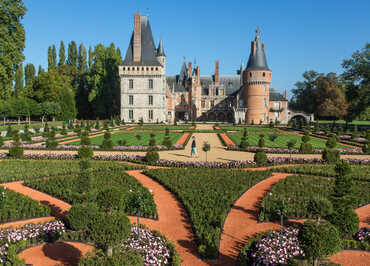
{"type": "Point", "coordinates": [363, 234]}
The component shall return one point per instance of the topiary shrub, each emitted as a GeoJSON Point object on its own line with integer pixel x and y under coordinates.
{"type": "Point", "coordinates": [305, 146]}
{"type": "Point", "coordinates": [318, 240]}
{"type": "Point", "coordinates": [167, 140]}
{"type": "Point", "coordinates": [320, 207]}
{"type": "Point", "coordinates": [1, 141]}
{"type": "Point", "coordinates": [346, 221]}
{"type": "Point", "coordinates": [244, 141]}
{"type": "Point", "coordinates": [80, 215]}
{"type": "Point", "coordinates": [331, 155]}
{"type": "Point", "coordinates": [151, 156]}
{"type": "Point", "coordinates": [16, 151]}
{"type": "Point", "coordinates": [108, 229]}
{"type": "Point", "coordinates": [152, 139]}
{"type": "Point", "coordinates": [51, 142]}
{"type": "Point", "coordinates": [260, 157]}
{"type": "Point", "coordinates": [85, 152]}
{"type": "Point", "coordinates": [261, 141]}
{"type": "Point", "coordinates": [119, 257]}
{"type": "Point", "coordinates": [107, 141]}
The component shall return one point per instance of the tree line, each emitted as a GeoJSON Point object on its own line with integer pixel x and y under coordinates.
{"type": "Point", "coordinates": [329, 96]}
{"type": "Point", "coordinates": [78, 83]}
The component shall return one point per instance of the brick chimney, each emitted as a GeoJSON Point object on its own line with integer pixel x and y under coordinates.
{"type": "Point", "coordinates": [217, 74]}
{"type": "Point", "coordinates": [198, 75]}
{"type": "Point", "coordinates": [137, 38]}
{"type": "Point", "coordinates": [190, 69]}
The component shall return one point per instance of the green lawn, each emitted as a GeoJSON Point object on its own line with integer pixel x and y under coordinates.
{"type": "Point", "coordinates": [280, 142]}
{"type": "Point", "coordinates": [132, 139]}
{"type": "Point", "coordinates": [354, 122]}
{"type": "Point", "coordinates": [33, 125]}
{"type": "Point", "coordinates": [249, 128]}
{"type": "Point", "coordinates": [163, 127]}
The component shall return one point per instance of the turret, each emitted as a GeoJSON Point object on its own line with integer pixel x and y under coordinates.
{"type": "Point", "coordinates": [257, 78]}
{"type": "Point", "coordinates": [161, 56]}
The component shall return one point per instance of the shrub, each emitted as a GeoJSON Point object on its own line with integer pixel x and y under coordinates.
{"type": "Point", "coordinates": [109, 229]}
{"type": "Point", "coordinates": [305, 148]}
{"type": "Point", "coordinates": [1, 141]}
{"type": "Point", "coordinates": [261, 141]}
{"type": "Point", "coordinates": [273, 137]}
{"type": "Point", "coordinates": [346, 221]}
{"type": "Point", "coordinates": [16, 150]}
{"type": "Point", "coordinates": [331, 155]}
{"type": "Point", "coordinates": [122, 142]}
{"type": "Point", "coordinates": [97, 124]}
{"type": "Point", "coordinates": [320, 207]}
{"type": "Point", "coordinates": [127, 258]}
{"type": "Point", "coordinates": [64, 130]}
{"type": "Point", "coordinates": [51, 142]}
{"type": "Point", "coordinates": [318, 240]}
{"type": "Point", "coordinates": [111, 198]}
{"type": "Point", "coordinates": [167, 140]}
{"type": "Point", "coordinates": [152, 140]}
{"type": "Point", "coordinates": [244, 140]}
{"type": "Point", "coordinates": [107, 143]}
{"type": "Point", "coordinates": [260, 157]}
{"type": "Point", "coordinates": [151, 156]}
{"type": "Point", "coordinates": [85, 152]}
{"type": "Point", "coordinates": [271, 124]}
{"type": "Point", "coordinates": [80, 215]}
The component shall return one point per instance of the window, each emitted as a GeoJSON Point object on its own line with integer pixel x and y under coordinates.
{"type": "Point", "coordinates": [150, 84]}
{"type": "Point", "coordinates": [265, 87]}
{"type": "Point", "coordinates": [123, 68]}
{"type": "Point", "coordinates": [241, 103]}
{"type": "Point", "coordinates": [151, 114]}
{"type": "Point", "coordinates": [264, 117]}
{"type": "Point", "coordinates": [216, 91]}
{"type": "Point", "coordinates": [264, 74]}
{"type": "Point", "coordinates": [250, 74]}
{"type": "Point", "coordinates": [203, 104]}
{"type": "Point", "coordinates": [212, 104]}
{"type": "Point", "coordinates": [150, 99]}
{"type": "Point", "coordinates": [169, 114]}
{"type": "Point", "coordinates": [131, 99]}
{"type": "Point", "coordinates": [130, 83]}
{"type": "Point", "coordinates": [264, 102]}
{"type": "Point", "coordinates": [131, 114]}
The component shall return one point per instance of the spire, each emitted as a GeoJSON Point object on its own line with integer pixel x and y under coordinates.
{"type": "Point", "coordinates": [257, 59]}
{"type": "Point", "coordinates": [160, 50]}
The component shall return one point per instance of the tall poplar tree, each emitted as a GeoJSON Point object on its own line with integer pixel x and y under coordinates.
{"type": "Point", "coordinates": [50, 58]}
{"type": "Point", "coordinates": [62, 54]}
{"type": "Point", "coordinates": [72, 54]}
{"type": "Point", "coordinates": [90, 57]}
{"type": "Point", "coordinates": [30, 73]}
{"type": "Point", "coordinates": [12, 43]}
{"type": "Point", "coordinates": [19, 81]}
{"type": "Point", "coordinates": [82, 59]}
{"type": "Point", "coordinates": [54, 55]}
{"type": "Point", "coordinates": [41, 70]}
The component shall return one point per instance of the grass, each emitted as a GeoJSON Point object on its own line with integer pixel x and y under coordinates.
{"type": "Point", "coordinates": [132, 139]}
{"type": "Point", "coordinates": [249, 128]}
{"type": "Point", "coordinates": [13, 170]}
{"type": "Point", "coordinates": [280, 142]}
{"type": "Point", "coordinates": [163, 127]}
{"type": "Point", "coordinates": [354, 122]}
{"type": "Point", "coordinates": [33, 125]}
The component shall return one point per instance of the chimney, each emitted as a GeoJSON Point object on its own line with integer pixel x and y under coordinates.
{"type": "Point", "coordinates": [198, 75]}
{"type": "Point", "coordinates": [217, 74]}
{"type": "Point", "coordinates": [190, 70]}
{"type": "Point", "coordinates": [137, 38]}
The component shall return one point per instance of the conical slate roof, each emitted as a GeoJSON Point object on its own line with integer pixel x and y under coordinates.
{"type": "Point", "coordinates": [160, 50]}
{"type": "Point", "coordinates": [258, 61]}
{"type": "Point", "coordinates": [148, 49]}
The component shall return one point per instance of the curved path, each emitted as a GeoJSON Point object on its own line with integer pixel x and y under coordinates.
{"type": "Point", "coordinates": [21, 223]}
{"type": "Point", "coordinates": [351, 258]}
{"type": "Point", "coordinates": [59, 253]}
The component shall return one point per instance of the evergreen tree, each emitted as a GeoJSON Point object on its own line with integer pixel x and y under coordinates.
{"type": "Point", "coordinates": [72, 54]}
{"type": "Point", "coordinates": [107, 141]}
{"type": "Point", "coordinates": [62, 54]}
{"type": "Point", "coordinates": [19, 82]}
{"type": "Point", "coordinates": [12, 43]}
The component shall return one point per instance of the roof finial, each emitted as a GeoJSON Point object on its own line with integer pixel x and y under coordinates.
{"type": "Point", "coordinates": [258, 31]}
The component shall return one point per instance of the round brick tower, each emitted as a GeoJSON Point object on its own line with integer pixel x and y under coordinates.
{"type": "Point", "coordinates": [257, 80]}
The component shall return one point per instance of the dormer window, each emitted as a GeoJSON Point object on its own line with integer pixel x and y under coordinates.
{"type": "Point", "coordinates": [263, 74]}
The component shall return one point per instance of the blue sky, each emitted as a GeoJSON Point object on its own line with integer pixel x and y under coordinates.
{"type": "Point", "coordinates": [299, 35]}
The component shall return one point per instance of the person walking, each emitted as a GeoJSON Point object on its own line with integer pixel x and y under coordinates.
{"type": "Point", "coordinates": [193, 148]}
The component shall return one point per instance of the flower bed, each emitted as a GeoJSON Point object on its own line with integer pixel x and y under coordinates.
{"type": "Point", "coordinates": [207, 195]}
{"type": "Point", "coordinates": [31, 233]}
{"type": "Point", "coordinates": [297, 191]}
{"type": "Point", "coordinates": [135, 199]}
{"type": "Point", "coordinates": [154, 248]}
{"type": "Point", "coordinates": [359, 172]}
{"type": "Point", "coordinates": [15, 206]}
{"type": "Point", "coordinates": [292, 151]}
{"type": "Point", "coordinates": [271, 248]}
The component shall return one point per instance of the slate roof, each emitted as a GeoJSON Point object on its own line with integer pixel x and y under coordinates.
{"type": "Point", "coordinates": [148, 49]}
{"type": "Point", "coordinates": [160, 50]}
{"type": "Point", "coordinates": [276, 96]}
{"type": "Point", "coordinates": [258, 60]}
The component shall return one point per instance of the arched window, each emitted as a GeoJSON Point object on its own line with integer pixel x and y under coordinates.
{"type": "Point", "coordinates": [263, 74]}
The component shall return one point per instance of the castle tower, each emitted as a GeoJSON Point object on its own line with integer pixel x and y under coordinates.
{"type": "Point", "coordinates": [257, 80]}
{"type": "Point", "coordinates": [143, 76]}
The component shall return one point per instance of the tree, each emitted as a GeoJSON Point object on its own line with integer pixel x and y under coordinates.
{"type": "Point", "coordinates": [356, 76]}
{"type": "Point", "coordinates": [244, 141]}
{"type": "Point", "coordinates": [54, 56]}
{"type": "Point", "coordinates": [82, 59]}
{"type": "Point", "coordinates": [304, 93]}
{"type": "Point", "coordinates": [318, 240]}
{"type": "Point", "coordinates": [19, 81]}
{"type": "Point", "coordinates": [30, 73]}
{"type": "Point", "coordinates": [72, 54]}
{"type": "Point", "coordinates": [50, 58]}
{"type": "Point", "coordinates": [12, 43]}
{"type": "Point", "coordinates": [67, 104]}
{"type": "Point", "coordinates": [330, 98]}
{"type": "Point", "coordinates": [206, 148]}
{"type": "Point", "coordinates": [62, 54]}
{"type": "Point", "coordinates": [90, 58]}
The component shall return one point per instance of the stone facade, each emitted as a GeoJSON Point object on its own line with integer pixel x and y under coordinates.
{"type": "Point", "coordinates": [147, 93]}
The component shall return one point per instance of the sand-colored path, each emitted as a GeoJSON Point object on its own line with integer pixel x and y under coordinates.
{"type": "Point", "coordinates": [59, 253]}
{"type": "Point", "coordinates": [351, 258]}
{"type": "Point", "coordinates": [173, 221]}
{"type": "Point", "coordinates": [21, 223]}
{"type": "Point", "coordinates": [364, 216]}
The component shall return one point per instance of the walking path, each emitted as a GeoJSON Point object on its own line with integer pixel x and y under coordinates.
{"type": "Point", "coordinates": [21, 223]}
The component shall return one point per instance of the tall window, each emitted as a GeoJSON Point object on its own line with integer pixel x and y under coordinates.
{"type": "Point", "coordinates": [130, 83]}
{"type": "Point", "coordinates": [150, 84]}
{"type": "Point", "coordinates": [131, 99]}
{"type": "Point", "coordinates": [216, 91]}
{"type": "Point", "coordinates": [203, 104]}
{"type": "Point", "coordinates": [264, 102]}
{"type": "Point", "coordinates": [151, 114]}
{"type": "Point", "coordinates": [212, 104]}
{"type": "Point", "coordinates": [131, 114]}
{"type": "Point", "coordinates": [265, 87]}
{"type": "Point", "coordinates": [150, 99]}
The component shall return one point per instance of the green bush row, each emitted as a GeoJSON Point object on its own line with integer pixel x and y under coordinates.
{"type": "Point", "coordinates": [207, 195]}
